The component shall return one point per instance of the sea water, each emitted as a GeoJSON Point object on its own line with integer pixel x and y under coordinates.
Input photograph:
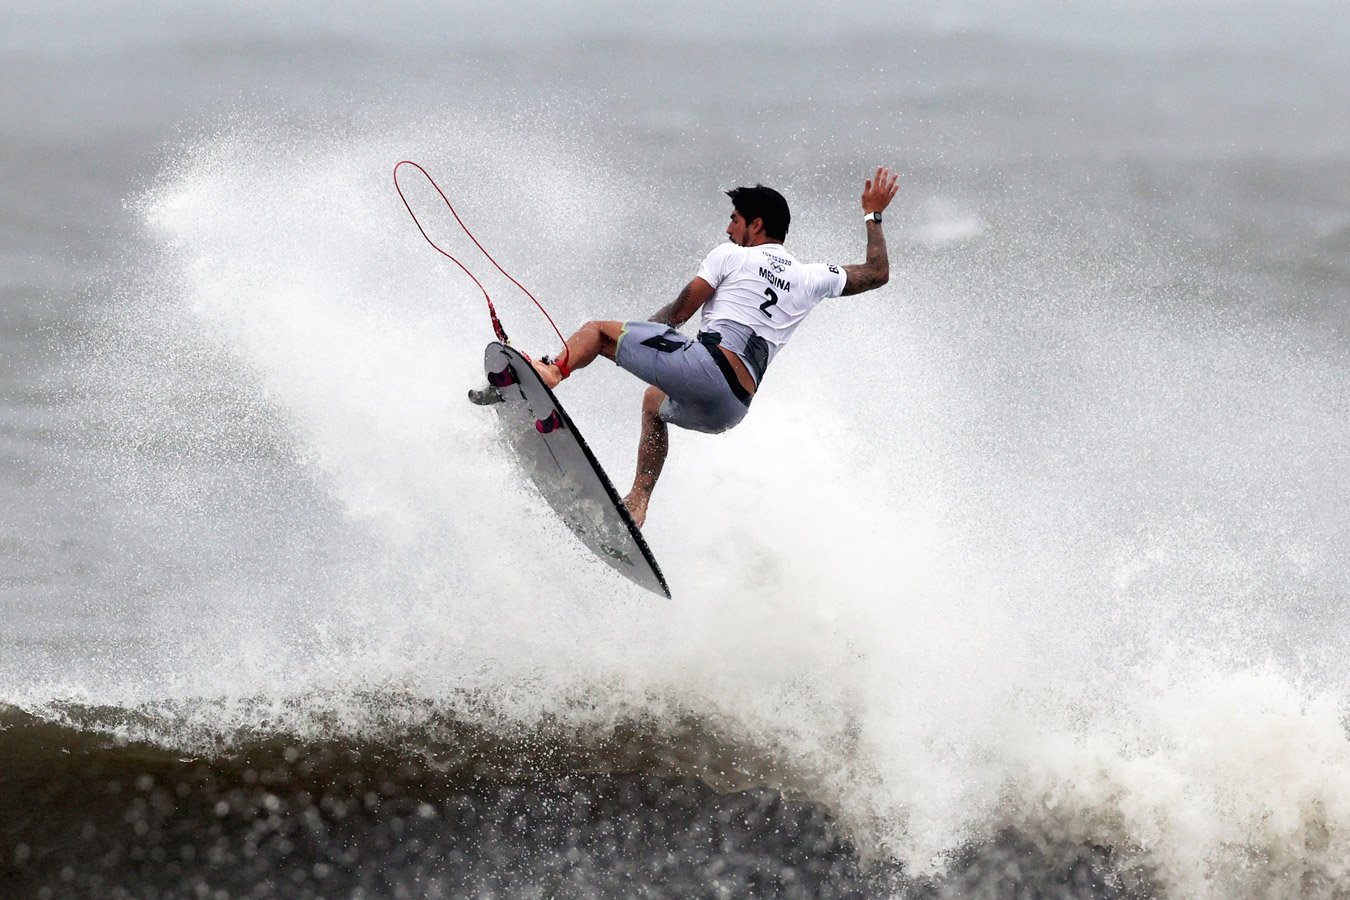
{"type": "Point", "coordinates": [1026, 576]}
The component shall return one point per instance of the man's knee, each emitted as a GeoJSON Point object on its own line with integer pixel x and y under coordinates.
{"type": "Point", "coordinates": [652, 400]}
{"type": "Point", "coordinates": [606, 335]}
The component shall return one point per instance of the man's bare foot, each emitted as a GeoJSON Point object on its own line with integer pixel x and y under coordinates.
{"type": "Point", "coordinates": [637, 507]}
{"type": "Point", "coordinates": [549, 374]}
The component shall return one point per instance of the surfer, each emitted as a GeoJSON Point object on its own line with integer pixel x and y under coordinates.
{"type": "Point", "coordinates": [754, 295]}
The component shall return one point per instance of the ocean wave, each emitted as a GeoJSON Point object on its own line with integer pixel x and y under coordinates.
{"type": "Point", "coordinates": [463, 807]}
{"type": "Point", "coordinates": [1229, 787]}
{"type": "Point", "coordinates": [460, 737]}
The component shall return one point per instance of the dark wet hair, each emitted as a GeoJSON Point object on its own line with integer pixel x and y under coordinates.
{"type": "Point", "coordinates": [760, 202]}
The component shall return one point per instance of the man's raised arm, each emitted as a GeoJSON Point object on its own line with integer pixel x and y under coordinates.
{"type": "Point", "coordinates": [877, 195]}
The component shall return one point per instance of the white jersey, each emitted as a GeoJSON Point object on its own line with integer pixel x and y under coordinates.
{"type": "Point", "coordinates": [766, 290]}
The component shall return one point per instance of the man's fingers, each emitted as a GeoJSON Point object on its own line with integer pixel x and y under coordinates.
{"type": "Point", "coordinates": [884, 180]}
{"type": "Point", "coordinates": [881, 187]}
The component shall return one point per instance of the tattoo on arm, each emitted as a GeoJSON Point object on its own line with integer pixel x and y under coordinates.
{"type": "Point", "coordinates": [677, 312]}
{"type": "Point", "coordinates": [665, 313]}
{"type": "Point", "coordinates": [873, 273]}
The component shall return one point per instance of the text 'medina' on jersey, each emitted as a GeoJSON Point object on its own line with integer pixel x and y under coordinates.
{"type": "Point", "coordinates": [765, 289]}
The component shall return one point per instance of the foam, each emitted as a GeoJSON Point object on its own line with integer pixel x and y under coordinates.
{"type": "Point", "coordinates": [990, 552]}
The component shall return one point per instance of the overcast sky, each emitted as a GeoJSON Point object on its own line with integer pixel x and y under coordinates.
{"type": "Point", "coordinates": [1313, 26]}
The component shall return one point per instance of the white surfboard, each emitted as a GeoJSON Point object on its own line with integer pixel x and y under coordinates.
{"type": "Point", "coordinates": [555, 457]}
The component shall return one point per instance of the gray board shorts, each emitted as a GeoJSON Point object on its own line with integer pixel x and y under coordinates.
{"type": "Point", "coordinates": [698, 394]}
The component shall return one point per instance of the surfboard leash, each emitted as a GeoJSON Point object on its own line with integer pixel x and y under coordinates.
{"type": "Point", "coordinates": [492, 311]}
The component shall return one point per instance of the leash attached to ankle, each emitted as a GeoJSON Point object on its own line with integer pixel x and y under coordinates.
{"type": "Point", "coordinates": [560, 364]}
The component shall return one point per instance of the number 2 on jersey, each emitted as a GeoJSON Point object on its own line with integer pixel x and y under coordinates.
{"type": "Point", "coordinates": [773, 300]}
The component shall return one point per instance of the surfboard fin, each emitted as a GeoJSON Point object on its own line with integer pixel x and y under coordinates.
{"type": "Point", "coordinates": [505, 378]}
{"type": "Point", "coordinates": [485, 396]}
{"type": "Point", "coordinates": [491, 392]}
{"type": "Point", "coordinates": [549, 425]}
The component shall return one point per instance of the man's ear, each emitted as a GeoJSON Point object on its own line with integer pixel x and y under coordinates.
{"type": "Point", "coordinates": [757, 225]}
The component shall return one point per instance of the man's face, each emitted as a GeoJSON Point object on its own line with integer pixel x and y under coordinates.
{"type": "Point", "coordinates": [739, 230]}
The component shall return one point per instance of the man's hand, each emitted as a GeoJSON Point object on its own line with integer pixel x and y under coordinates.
{"type": "Point", "coordinates": [879, 192]}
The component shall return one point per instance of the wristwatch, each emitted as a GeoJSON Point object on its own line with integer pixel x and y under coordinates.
{"type": "Point", "coordinates": [873, 217]}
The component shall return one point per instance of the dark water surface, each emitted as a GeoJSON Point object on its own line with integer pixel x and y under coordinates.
{"type": "Point", "coordinates": [86, 817]}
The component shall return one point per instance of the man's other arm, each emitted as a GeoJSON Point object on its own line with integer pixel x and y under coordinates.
{"type": "Point", "coordinates": [876, 271]}
{"type": "Point", "coordinates": [678, 311]}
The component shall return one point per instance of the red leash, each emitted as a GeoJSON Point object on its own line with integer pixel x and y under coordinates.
{"type": "Point", "coordinates": [492, 312]}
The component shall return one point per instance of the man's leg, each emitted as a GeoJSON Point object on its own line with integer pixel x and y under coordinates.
{"type": "Point", "coordinates": [591, 340]}
{"type": "Point", "coordinates": [652, 447]}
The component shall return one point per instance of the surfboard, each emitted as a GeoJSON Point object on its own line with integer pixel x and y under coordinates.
{"type": "Point", "coordinates": [551, 452]}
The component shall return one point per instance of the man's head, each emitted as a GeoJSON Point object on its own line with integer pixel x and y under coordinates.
{"type": "Point", "coordinates": [761, 216]}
